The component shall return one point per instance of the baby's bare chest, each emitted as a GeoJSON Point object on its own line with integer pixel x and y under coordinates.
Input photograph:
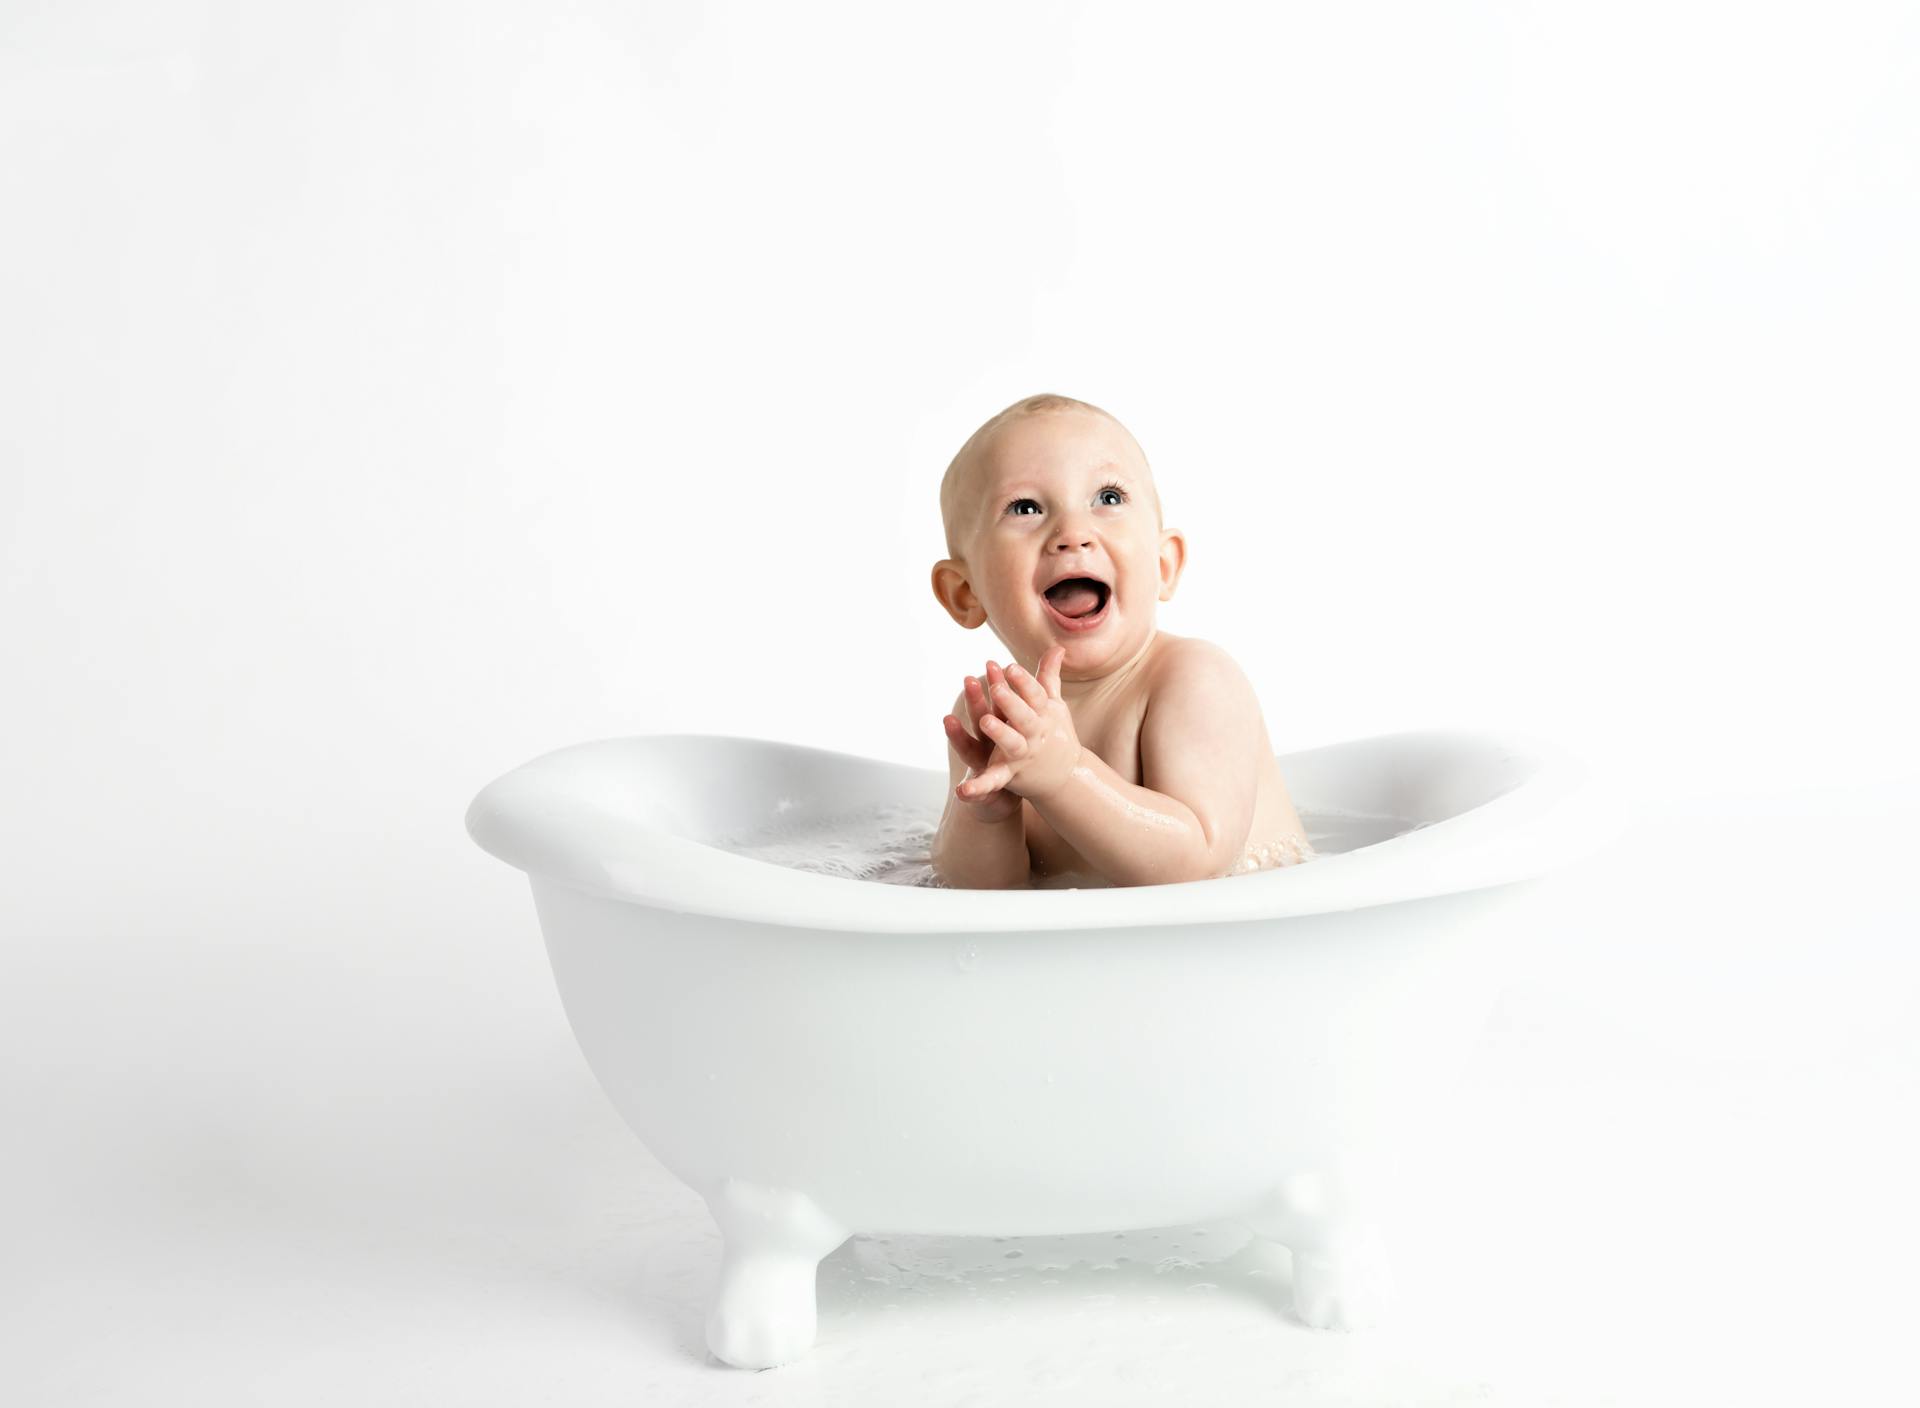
{"type": "Point", "coordinates": [1116, 739]}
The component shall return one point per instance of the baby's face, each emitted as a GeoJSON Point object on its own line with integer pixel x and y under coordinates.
{"type": "Point", "coordinates": [1061, 495]}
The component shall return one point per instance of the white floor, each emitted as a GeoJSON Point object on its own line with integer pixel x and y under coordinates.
{"type": "Point", "coordinates": [362, 1162]}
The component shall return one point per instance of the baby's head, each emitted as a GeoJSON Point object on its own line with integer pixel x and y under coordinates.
{"type": "Point", "coordinates": [1049, 489]}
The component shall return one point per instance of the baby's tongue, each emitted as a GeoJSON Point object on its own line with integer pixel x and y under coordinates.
{"type": "Point", "coordinates": [1075, 598]}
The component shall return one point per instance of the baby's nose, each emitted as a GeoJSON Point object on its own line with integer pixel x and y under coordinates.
{"type": "Point", "coordinates": [1071, 537]}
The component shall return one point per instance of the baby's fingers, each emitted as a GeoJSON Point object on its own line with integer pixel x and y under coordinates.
{"type": "Point", "coordinates": [978, 704]}
{"type": "Point", "coordinates": [1009, 739]}
{"type": "Point", "coordinates": [1014, 709]}
{"type": "Point", "coordinates": [972, 751]}
{"type": "Point", "coordinates": [995, 680]}
{"type": "Point", "coordinates": [1049, 670]}
{"type": "Point", "coordinates": [992, 780]}
{"type": "Point", "coordinates": [1027, 686]}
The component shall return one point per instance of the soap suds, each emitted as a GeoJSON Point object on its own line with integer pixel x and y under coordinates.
{"type": "Point", "coordinates": [892, 844]}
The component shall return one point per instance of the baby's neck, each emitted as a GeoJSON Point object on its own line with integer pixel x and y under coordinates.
{"type": "Point", "coordinates": [1101, 686]}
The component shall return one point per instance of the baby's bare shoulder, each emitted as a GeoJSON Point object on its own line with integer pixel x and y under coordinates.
{"type": "Point", "coordinates": [1203, 717]}
{"type": "Point", "coordinates": [1197, 684]}
{"type": "Point", "coordinates": [1186, 661]}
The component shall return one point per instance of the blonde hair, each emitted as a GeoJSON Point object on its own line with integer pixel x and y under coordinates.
{"type": "Point", "coordinates": [953, 481]}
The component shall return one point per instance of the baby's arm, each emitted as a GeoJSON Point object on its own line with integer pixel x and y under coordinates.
{"type": "Point", "coordinates": [1200, 743]}
{"type": "Point", "coordinates": [979, 846]}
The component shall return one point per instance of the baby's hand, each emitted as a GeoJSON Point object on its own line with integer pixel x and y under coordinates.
{"type": "Point", "coordinates": [1035, 746]}
{"type": "Point", "coordinates": [992, 803]}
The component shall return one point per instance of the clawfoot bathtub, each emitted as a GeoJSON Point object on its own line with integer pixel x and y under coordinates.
{"type": "Point", "coordinates": [819, 1056]}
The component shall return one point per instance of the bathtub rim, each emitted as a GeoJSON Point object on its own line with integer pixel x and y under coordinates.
{"type": "Point", "coordinates": [1561, 812]}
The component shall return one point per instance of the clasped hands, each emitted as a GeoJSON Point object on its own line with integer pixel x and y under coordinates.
{"type": "Point", "coordinates": [1027, 745]}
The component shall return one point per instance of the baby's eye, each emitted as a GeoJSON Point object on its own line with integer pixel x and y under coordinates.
{"type": "Point", "coordinates": [1119, 497]}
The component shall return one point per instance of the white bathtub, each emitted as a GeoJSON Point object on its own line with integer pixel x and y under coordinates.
{"type": "Point", "coordinates": [819, 1056]}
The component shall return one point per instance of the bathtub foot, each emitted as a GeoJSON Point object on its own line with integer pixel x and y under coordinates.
{"type": "Point", "coordinates": [763, 1310]}
{"type": "Point", "coordinates": [1341, 1279]}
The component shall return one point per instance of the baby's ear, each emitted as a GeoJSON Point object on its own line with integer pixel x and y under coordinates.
{"type": "Point", "coordinates": [952, 590]}
{"type": "Point", "coordinates": [1173, 560]}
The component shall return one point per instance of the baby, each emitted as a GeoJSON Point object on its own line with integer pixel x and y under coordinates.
{"type": "Point", "coordinates": [1108, 751]}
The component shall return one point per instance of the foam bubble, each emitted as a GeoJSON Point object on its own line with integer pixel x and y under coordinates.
{"type": "Point", "coordinates": [892, 844]}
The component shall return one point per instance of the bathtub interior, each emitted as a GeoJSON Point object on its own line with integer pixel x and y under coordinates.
{"type": "Point", "coordinates": [704, 787]}
{"type": "Point", "coordinates": [639, 818]}
{"type": "Point", "coordinates": [1414, 780]}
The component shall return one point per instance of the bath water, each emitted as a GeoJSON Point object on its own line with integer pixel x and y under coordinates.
{"type": "Point", "coordinates": [893, 844]}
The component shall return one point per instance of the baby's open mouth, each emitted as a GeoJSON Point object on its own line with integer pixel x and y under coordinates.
{"type": "Point", "coordinates": [1079, 601]}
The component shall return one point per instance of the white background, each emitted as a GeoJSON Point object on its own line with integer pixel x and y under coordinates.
{"type": "Point", "coordinates": [389, 393]}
